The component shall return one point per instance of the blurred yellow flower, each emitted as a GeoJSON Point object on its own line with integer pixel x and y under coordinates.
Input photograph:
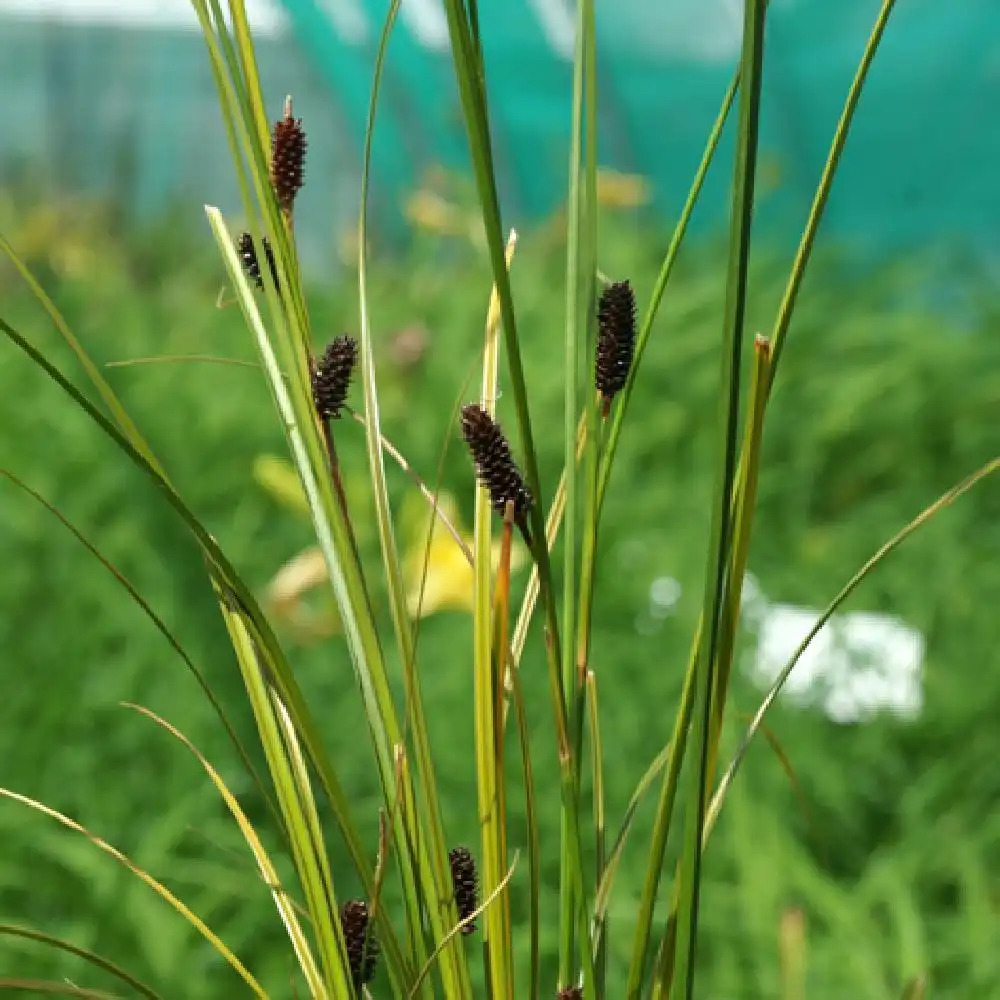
{"type": "Point", "coordinates": [437, 574]}
{"type": "Point", "coordinates": [619, 190]}
{"type": "Point", "coordinates": [447, 583]}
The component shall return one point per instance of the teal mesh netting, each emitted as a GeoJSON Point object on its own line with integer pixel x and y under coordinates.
{"type": "Point", "coordinates": [132, 112]}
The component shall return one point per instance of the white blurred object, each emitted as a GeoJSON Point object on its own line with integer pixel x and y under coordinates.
{"type": "Point", "coordinates": [858, 664]}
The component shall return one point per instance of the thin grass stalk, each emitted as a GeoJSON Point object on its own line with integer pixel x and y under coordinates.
{"type": "Point", "coordinates": [556, 511]}
{"type": "Point", "coordinates": [744, 499]}
{"type": "Point", "coordinates": [160, 627]}
{"type": "Point", "coordinates": [222, 573]}
{"type": "Point", "coordinates": [319, 903]}
{"type": "Point", "coordinates": [579, 248]}
{"type": "Point", "coordinates": [489, 777]}
{"type": "Point", "coordinates": [334, 541]}
{"type": "Point", "coordinates": [553, 521]}
{"type": "Point", "coordinates": [124, 422]}
{"type": "Point", "coordinates": [248, 69]}
{"type": "Point", "coordinates": [784, 313]}
{"type": "Point", "coordinates": [269, 875]}
{"type": "Point", "coordinates": [92, 958]}
{"type": "Point", "coordinates": [372, 421]}
{"type": "Point", "coordinates": [469, 73]}
{"type": "Point", "coordinates": [569, 787]}
{"type": "Point", "coordinates": [161, 890]}
{"type": "Point", "coordinates": [310, 814]}
{"type": "Point", "coordinates": [918, 522]}
{"type": "Point", "coordinates": [820, 199]}
{"type": "Point", "coordinates": [247, 149]}
{"type": "Point", "coordinates": [689, 876]}
{"type": "Point", "coordinates": [534, 841]}
{"type": "Point", "coordinates": [433, 858]}
{"type": "Point", "coordinates": [822, 195]}
{"type": "Point", "coordinates": [249, 111]}
{"type": "Point", "coordinates": [599, 937]}
{"type": "Point", "coordinates": [789, 299]}
{"type": "Point", "coordinates": [662, 280]}
{"type": "Point", "coordinates": [405, 824]}
{"type": "Point", "coordinates": [54, 987]}
{"type": "Point", "coordinates": [613, 856]}
{"type": "Point", "coordinates": [662, 825]}
{"type": "Point", "coordinates": [231, 53]}
{"type": "Point", "coordinates": [500, 648]}
{"type": "Point", "coordinates": [745, 504]}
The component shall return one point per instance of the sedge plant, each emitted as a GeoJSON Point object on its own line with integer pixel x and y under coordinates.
{"type": "Point", "coordinates": [435, 918]}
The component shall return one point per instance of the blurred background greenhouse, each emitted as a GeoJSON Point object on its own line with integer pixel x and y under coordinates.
{"type": "Point", "coordinates": [864, 833]}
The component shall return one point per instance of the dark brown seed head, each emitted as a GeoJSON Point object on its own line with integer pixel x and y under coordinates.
{"type": "Point", "coordinates": [466, 883]}
{"type": "Point", "coordinates": [615, 338]}
{"type": "Point", "coordinates": [251, 263]}
{"type": "Point", "coordinates": [332, 376]}
{"type": "Point", "coordinates": [288, 158]}
{"type": "Point", "coordinates": [359, 938]}
{"type": "Point", "coordinates": [570, 993]}
{"type": "Point", "coordinates": [494, 463]}
{"type": "Point", "coordinates": [248, 257]}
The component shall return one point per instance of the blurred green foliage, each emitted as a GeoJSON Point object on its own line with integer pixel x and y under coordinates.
{"type": "Point", "coordinates": [888, 840]}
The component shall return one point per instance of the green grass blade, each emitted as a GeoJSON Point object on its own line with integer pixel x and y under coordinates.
{"type": "Point", "coordinates": [159, 625]}
{"type": "Point", "coordinates": [745, 503]}
{"type": "Point", "coordinates": [23, 986]}
{"type": "Point", "coordinates": [304, 848]}
{"type": "Point", "coordinates": [247, 58]}
{"type": "Point", "coordinates": [376, 461]}
{"type": "Point", "coordinates": [290, 333]}
{"type": "Point", "coordinates": [470, 76]}
{"type": "Point", "coordinates": [161, 890]}
{"type": "Point", "coordinates": [598, 934]}
{"type": "Point", "coordinates": [100, 383]}
{"type": "Point", "coordinates": [689, 874]}
{"type": "Point", "coordinates": [333, 537]}
{"type": "Point", "coordinates": [29, 934]}
{"type": "Point", "coordinates": [436, 874]}
{"type": "Point", "coordinates": [822, 194]}
{"type": "Point", "coordinates": [489, 760]}
{"type": "Point", "coordinates": [662, 826]}
{"type": "Point", "coordinates": [918, 522]}
{"type": "Point", "coordinates": [266, 868]}
{"type": "Point", "coordinates": [534, 841]}
{"type": "Point", "coordinates": [222, 572]}
{"type": "Point", "coordinates": [557, 508]}
{"type": "Point", "coordinates": [581, 258]}
{"type": "Point", "coordinates": [662, 280]}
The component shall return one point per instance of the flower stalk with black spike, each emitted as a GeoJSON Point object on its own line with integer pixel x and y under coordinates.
{"type": "Point", "coordinates": [495, 466]}
{"type": "Point", "coordinates": [615, 341]}
{"type": "Point", "coordinates": [359, 939]}
{"type": "Point", "coordinates": [251, 263]}
{"type": "Point", "coordinates": [331, 378]}
{"type": "Point", "coordinates": [288, 158]}
{"type": "Point", "coordinates": [465, 880]}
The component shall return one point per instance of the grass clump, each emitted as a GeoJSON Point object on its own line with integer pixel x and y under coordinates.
{"type": "Point", "coordinates": [568, 890]}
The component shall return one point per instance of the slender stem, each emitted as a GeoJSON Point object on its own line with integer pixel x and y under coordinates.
{"type": "Point", "coordinates": [822, 194]}
{"type": "Point", "coordinates": [745, 504]}
{"type": "Point", "coordinates": [719, 542]}
{"type": "Point", "coordinates": [571, 376]}
{"type": "Point", "coordinates": [663, 278]}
